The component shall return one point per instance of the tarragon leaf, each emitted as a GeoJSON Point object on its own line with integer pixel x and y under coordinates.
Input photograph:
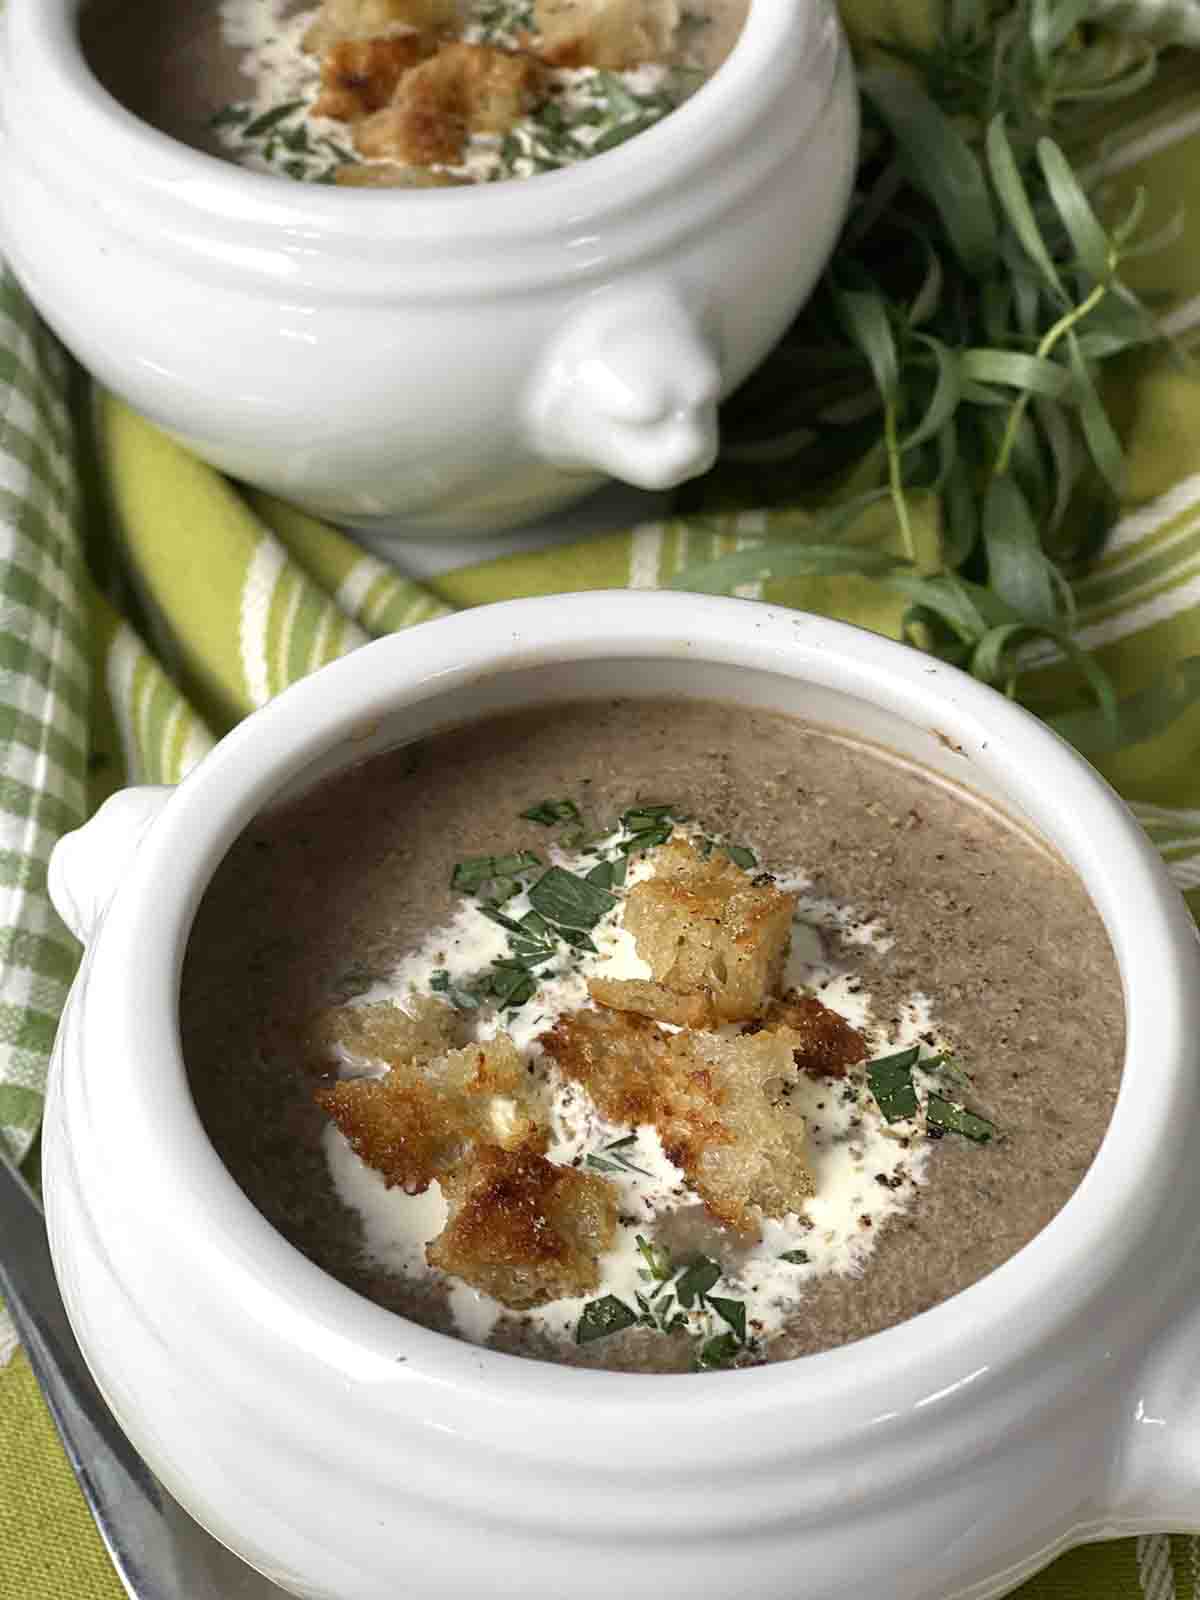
{"type": "Point", "coordinates": [551, 812]}
{"type": "Point", "coordinates": [696, 1280]}
{"type": "Point", "coordinates": [603, 1317]}
{"type": "Point", "coordinates": [733, 1312]}
{"type": "Point", "coordinates": [944, 1114]}
{"type": "Point", "coordinates": [890, 1081]}
{"type": "Point", "coordinates": [718, 1352]}
{"type": "Point", "coordinates": [564, 898]}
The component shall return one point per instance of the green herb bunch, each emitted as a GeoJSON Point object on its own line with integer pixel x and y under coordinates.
{"type": "Point", "coordinates": [953, 354]}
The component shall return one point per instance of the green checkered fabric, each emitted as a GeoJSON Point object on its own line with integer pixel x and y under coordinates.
{"type": "Point", "coordinates": [44, 700]}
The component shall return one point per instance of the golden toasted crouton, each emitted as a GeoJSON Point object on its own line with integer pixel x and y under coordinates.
{"type": "Point", "coordinates": [385, 1034]}
{"type": "Point", "coordinates": [725, 1119]}
{"type": "Point", "coordinates": [421, 128]}
{"type": "Point", "coordinates": [619, 1059]}
{"type": "Point", "coordinates": [372, 19]}
{"type": "Point", "coordinates": [463, 89]}
{"type": "Point", "coordinates": [426, 1116]}
{"type": "Point", "coordinates": [710, 934]}
{"type": "Point", "coordinates": [500, 86]}
{"type": "Point", "coordinates": [605, 33]}
{"type": "Point", "coordinates": [386, 175]}
{"type": "Point", "coordinates": [524, 1230]}
{"type": "Point", "coordinates": [654, 1000]}
{"type": "Point", "coordinates": [720, 1105]}
{"type": "Point", "coordinates": [825, 1043]}
{"type": "Point", "coordinates": [360, 75]}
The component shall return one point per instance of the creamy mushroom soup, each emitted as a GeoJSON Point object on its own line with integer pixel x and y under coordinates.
{"type": "Point", "coordinates": [407, 93]}
{"type": "Point", "coordinates": [650, 1035]}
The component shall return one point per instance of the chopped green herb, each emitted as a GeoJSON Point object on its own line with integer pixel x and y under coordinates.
{"type": "Point", "coordinates": [613, 1159]}
{"type": "Point", "coordinates": [503, 890]}
{"type": "Point", "coordinates": [740, 856]}
{"type": "Point", "coordinates": [471, 875]}
{"type": "Point", "coordinates": [798, 1258]}
{"type": "Point", "coordinates": [950, 1118]}
{"type": "Point", "coordinates": [231, 116]}
{"type": "Point", "coordinates": [531, 954]}
{"type": "Point", "coordinates": [577, 940]}
{"type": "Point", "coordinates": [658, 1260]}
{"type": "Point", "coordinates": [718, 1352]}
{"type": "Point", "coordinates": [696, 1280]}
{"type": "Point", "coordinates": [602, 1317]}
{"type": "Point", "coordinates": [569, 900]}
{"type": "Point", "coordinates": [462, 999]}
{"type": "Point", "coordinates": [518, 963]}
{"type": "Point", "coordinates": [949, 1066]}
{"type": "Point", "coordinates": [601, 875]}
{"type": "Point", "coordinates": [638, 818]}
{"type": "Point", "coordinates": [551, 812]}
{"type": "Point", "coordinates": [733, 1312]}
{"type": "Point", "coordinates": [512, 988]}
{"type": "Point", "coordinates": [890, 1081]}
{"type": "Point", "coordinates": [500, 919]}
{"type": "Point", "coordinates": [621, 102]}
{"type": "Point", "coordinates": [271, 119]}
{"type": "Point", "coordinates": [647, 839]}
{"type": "Point", "coordinates": [619, 869]}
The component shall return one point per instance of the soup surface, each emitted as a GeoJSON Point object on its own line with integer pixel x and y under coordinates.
{"type": "Point", "coordinates": [406, 93]}
{"type": "Point", "coordinates": [959, 1052]}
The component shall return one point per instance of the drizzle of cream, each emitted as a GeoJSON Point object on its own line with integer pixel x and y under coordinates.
{"type": "Point", "coordinates": [864, 1171]}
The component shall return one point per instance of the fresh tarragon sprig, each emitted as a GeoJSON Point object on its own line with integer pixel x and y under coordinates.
{"type": "Point", "coordinates": [954, 353]}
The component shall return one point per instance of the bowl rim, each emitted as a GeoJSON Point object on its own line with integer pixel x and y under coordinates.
{"type": "Point", "coordinates": [1050, 1283]}
{"type": "Point", "coordinates": [715, 123]}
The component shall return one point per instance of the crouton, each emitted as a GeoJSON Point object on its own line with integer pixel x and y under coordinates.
{"type": "Point", "coordinates": [524, 1230]}
{"type": "Point", "coordinates": [425, 1116]}
{"type": "Point", "coordinates": [825, 1043]}
{"type": "Point", "coordinates": [720, 1105]}
{"type": "Point", "coordinates": [463, 89]}
{"type": "Point", "coordinates": [640, 996]}
{"type": "Point", "coordinates": [724, 1117]}
{"type": "Point", "coordinates": [384, 1034]}
{"type": "Point", "coordinates": [714, 939]}
{"type": "Point", "coordinates": [605, 33]}
{"type": "Point", "coordinates": [421, 128]}
{"type": "Point", "coordinates": [359, 76]}
{"type": "Point", "coordinates": [387, 175]}
{"type": "Point", "coordinates": [373, 19]}
{"type": "Point", "coordinates": [619, 1059]}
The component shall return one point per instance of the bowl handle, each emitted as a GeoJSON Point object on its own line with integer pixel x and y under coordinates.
{"type": "Point", "coordinates": [629, 387]}
{"type": "Point", "coordinates": [87, 865]}
{"type": "Point", "coordinates": [1157, 1487]}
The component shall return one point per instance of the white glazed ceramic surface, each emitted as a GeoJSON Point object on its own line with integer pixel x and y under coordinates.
{"type": "Point", "coordinates": [352, 1456]}
{"type": "Point", "coordinates": [438, 361]}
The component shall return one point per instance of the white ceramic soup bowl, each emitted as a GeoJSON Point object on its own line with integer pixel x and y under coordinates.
{"type": "Point", "coordinates": [446, 361]}
{"type": "Point", "coordinates": [353, 1456]}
